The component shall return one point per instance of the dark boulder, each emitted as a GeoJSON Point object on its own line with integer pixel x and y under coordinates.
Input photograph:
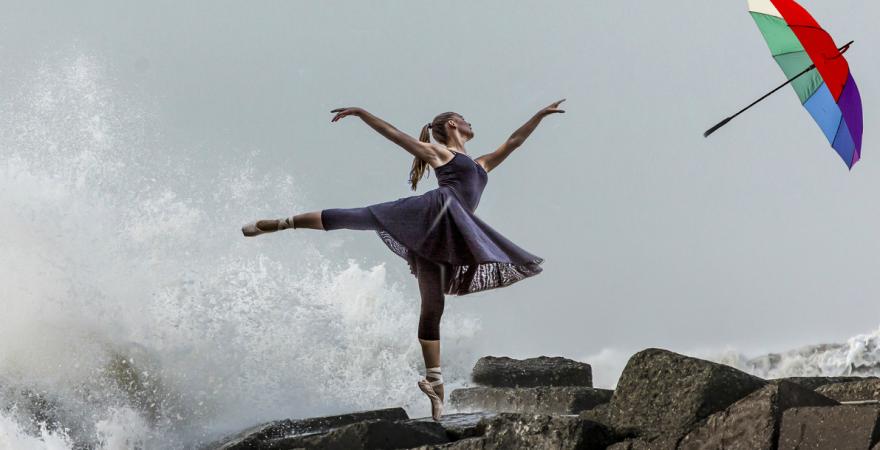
{"type": "Point", "coordinates": [833, 427]}
{"type": "Point", "coordinates": [534, 432]}
{"type": "Point", "coordinates": [461, 425]}
{"type": "Point", "coordinates": [532, 372]}
{"type": "Point", "coordinates": [660, 443]}
{"type": "Point", "coordinates": [261, 436]}
{"type": "Point", "coordinates": [866, 389]}
{"type": "Point", "coordinates": [373, 434]}
{"type": "Point", "coordinates": [631, 444]}
{"type": "Point", "coordinates": [533, 400]}
{"type": "Point", "coordinates": [753, 422]}
{"type": "Point", "coordinates": [598, 414]}
{"type": "Point", "coordinates": [662, 393]}
{"type": "Point", "coordinates": [816, 382]}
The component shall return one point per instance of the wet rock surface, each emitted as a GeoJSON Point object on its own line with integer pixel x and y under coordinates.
{"type": "Point", "coordinates": [816, 382]}
{"type": "Point", "coordinates": [851, 391]}
{"type": "Point", "coordinates": [372, 434]}
{"type": "Point", "coordinates": [833, 427]}
{"type": "Point", "coordinates": [536, 400]}
{"type": "Point", "coordinates": [462, 425]}
{"type": "Point", "coordinates": [502, 371]}
{"type": "Point", "coordinates": [262, 436]}
{"type": "Point", "coordinates": [534, 431]}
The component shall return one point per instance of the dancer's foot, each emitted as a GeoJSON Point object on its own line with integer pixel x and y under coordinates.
{"type": "Point", "coordinates": [266, 226]}
{"type": "Point", "coordinates": [430, 386]}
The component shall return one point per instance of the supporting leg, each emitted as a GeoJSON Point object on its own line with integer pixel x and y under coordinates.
{"type": "Point", "coordinates": [430, 277]}
{"type": "Point", "coordinates": [431, 355]}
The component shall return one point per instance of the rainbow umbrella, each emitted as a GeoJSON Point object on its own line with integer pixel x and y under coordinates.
{"type": "Point", "coordinates": [817, 71]}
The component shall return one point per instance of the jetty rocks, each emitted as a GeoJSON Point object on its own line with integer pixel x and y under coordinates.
{"type": "Point", "coordinates": [662, 401]}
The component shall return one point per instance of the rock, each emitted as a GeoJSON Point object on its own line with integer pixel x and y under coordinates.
{"type": "Point", "coordinates": [753, 422]}
{"type": "Point", "coordinates": [474, 443]}
{"type": "Point", "coordinates": [867, 389]}
{"type": "Point", "coordinates": [630, 444]}
{"type": "Point", "coordinates": [598, 414]}
{"type": "Point", "coordinates": [260, 436]}
{"type": "Point", "coordinates": [838, 427]}
{"type": "Point", "coordinates": [532, 372]}
{"type": "Point", "coordinates": [534, 432]}
{"type": "Point", "coordinates": [461, 425]}
{"type": "Point", "coordinates": [815, 382]}
{"type": "Point", "coordinates": [372, 434]}
{"type": "Point", "coordinates": [535, 400]}
{"type": "Point", "coordinates": [665, 393]}
{"type": "Point", "coordinates": [662, 443]}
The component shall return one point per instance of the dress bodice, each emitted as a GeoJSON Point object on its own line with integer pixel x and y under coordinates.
{"type": "Point", "coordinates": [441, 226]}
{"type": "Point", "coordinates": [465, 176]}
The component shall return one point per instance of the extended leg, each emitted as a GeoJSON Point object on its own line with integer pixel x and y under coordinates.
{"type": "Point", "coordinates": [326, 219]}
{"type": "Point", "coordinates": [348, 219]}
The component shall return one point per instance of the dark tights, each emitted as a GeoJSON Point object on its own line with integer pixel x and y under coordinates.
{"type": "Point", "coordinates": [431, 275]}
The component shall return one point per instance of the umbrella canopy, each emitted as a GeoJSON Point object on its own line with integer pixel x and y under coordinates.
{"type": "Point", "coordinates": [828, 91]}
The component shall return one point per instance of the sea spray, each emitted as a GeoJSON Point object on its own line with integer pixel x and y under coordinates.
{"type": "Point", "coordinates": [858, 356]}
{"type": "Point", "coordinates": [135, 315]}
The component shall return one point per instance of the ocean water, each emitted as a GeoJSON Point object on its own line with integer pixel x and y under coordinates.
{"type": "Point", "coordinates": [858, 356]}
{"type": "Point", "coordinates": [136, 316]}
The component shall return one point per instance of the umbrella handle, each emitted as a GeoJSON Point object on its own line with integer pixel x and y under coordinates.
{"type": "Point", "coordinates": [716, 127]}
{"type": "Point", "coordinates": [724, 122]}
{"type": "Point", "coordinates": [842, 50]}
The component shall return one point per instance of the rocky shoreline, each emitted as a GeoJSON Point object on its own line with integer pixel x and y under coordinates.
{"type": "Point", "coordinates": [662, 401]}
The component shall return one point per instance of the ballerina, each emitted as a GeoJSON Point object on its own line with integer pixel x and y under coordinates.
{"type": "Point", "coordinates": [448, 248]}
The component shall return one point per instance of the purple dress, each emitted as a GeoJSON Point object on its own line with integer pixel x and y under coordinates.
{"type": "Point", "coordinates": [440, 225]}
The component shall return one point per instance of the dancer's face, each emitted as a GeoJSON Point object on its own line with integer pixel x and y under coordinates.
{"type": "Point", "coordinates": [464, 128]}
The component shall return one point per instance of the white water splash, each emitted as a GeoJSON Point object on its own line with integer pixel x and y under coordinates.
{"type": "Point", "coordinates": [12, 436]}
{"type": "Point", "coordinates": [859, 356]}
{"type": "Point", "coordinates": [137, 316]}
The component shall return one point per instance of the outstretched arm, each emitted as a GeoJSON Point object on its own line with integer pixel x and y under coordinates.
{"type": "Point", "coordinates": [492, 160]}
{"type": "Point", "coordinates": [417, 148]}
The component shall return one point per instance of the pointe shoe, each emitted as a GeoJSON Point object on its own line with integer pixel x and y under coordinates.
{"type": "Point", "coordinates": [252, 229]}
{"type": "Point", "coordinates": [427, 387]}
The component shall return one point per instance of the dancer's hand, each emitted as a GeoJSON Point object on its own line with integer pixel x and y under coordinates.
{"type": "Point", "coordinates": [350, 111]}
{"type": "Point", "coordinates": [550, 109]}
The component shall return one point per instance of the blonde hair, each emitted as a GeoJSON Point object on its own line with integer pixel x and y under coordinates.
{"type": "Point", "coordinates": [438, 127]}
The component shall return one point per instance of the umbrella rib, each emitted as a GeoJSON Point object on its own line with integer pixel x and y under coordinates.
{"type": "Point", "coordinates": [765, 14]}
{"type": "Point", "coordinates": [838, 129]}
{"type": "Point", "coordinates": [788, 53]}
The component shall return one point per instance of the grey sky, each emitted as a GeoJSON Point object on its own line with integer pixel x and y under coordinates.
{"type": "Point", "coordinates": [758, 238]}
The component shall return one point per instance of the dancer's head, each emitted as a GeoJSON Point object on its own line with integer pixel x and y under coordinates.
{"type": "Point", "coordinates": [447, 128]}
